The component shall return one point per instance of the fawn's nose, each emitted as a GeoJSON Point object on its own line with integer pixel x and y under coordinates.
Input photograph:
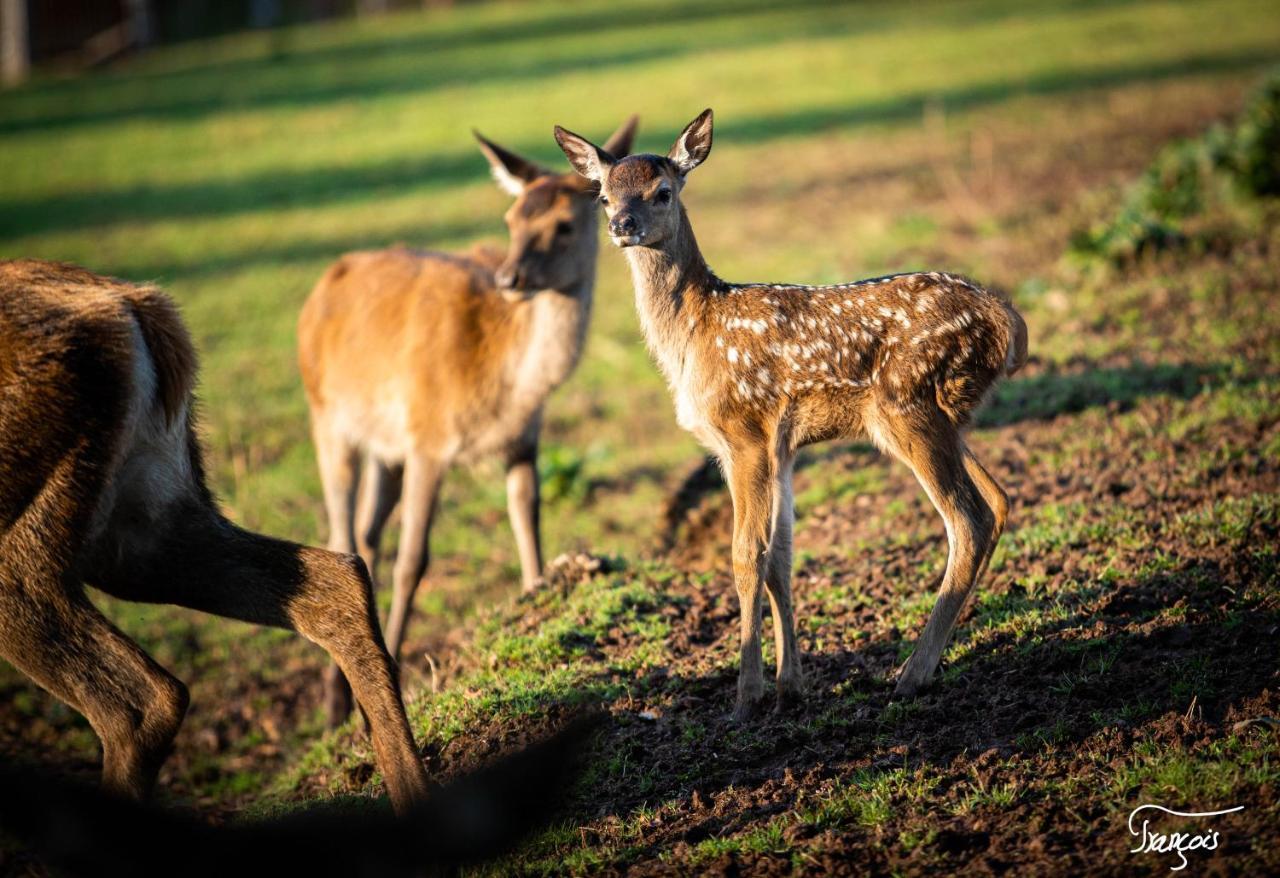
{"type": "Point", "coordinates": [507, 276]}
{"type": "Point", "coordinates": [623, 226]}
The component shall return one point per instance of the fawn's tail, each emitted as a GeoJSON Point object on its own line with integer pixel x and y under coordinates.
{"type": "Point", "coordinates": [1015, 356]}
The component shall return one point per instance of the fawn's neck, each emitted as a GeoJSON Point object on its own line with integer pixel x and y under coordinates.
{"type": "Point", "coordinates": [557, 328]}
{"type": "Point", "coordinates": [670, 280]}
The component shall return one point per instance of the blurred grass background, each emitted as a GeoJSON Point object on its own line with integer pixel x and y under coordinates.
{"type": "Point", "coordinates": [232, 171]}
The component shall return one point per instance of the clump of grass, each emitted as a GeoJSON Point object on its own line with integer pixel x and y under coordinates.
{"type": "Point", "coordinates": [1226, 167]}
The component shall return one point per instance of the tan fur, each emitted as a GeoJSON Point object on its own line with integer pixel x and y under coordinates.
{"type": "Point", "coordinates": [761, 370]}
{"type": "Point", "coordinates": [102, 483]}
{"type": "Point", "coordinates": [415, 360]}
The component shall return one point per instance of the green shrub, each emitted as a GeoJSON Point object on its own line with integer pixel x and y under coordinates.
{"type": "Point", "coordinates": [1190, 178]}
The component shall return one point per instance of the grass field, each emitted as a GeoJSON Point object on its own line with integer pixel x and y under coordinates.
{"type": "Point", "coordinates": [1129, 623]}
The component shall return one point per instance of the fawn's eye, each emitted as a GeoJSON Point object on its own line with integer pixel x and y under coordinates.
{"type": "Point", "coordinates": [663, 196]}
{"type": "Point", "coordinates": [604, 199]}
{"type": "Point", "coordinates": [564, 229]}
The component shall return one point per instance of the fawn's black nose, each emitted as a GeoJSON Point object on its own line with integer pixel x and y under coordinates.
{"type": "Point", "coordinates": [623, 226]}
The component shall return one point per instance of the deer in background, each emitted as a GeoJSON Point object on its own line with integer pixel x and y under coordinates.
{"type": "Point", "coordinates": [415, 360]}
{"type": "Point", "coordinates": [102, 483]}
{"type": "Point", "coordinates": [761, 370]}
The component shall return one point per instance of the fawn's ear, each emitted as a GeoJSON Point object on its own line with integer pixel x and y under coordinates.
{"type": "Point", "coordinates": [587, 159]}
{"type": "Point", "coordinates": [693, 145]}
{"type": "Point", "coordinates": [619, 143]}
{"type": "Point", "coordinates": [510, 170]}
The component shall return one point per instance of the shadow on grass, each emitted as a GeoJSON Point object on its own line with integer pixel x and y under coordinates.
{"type": "Point", "coordinates": [288, 76]}
{"type": "Point", "coordinates": [1049, 689]}
{"type": "Point", "coordinates": [1052, 393]}
{"type": "Point", "coordinates": [419, 64]}
{"type": "Point", "coordinates": [345, 183]}
{"type": "Point", "coordinates": [601, 23]}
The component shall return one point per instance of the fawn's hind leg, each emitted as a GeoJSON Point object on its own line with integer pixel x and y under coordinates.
{"type": "Point", "coordinates": [928, 443]}
{"type": "Point", "coordinates": [996, 498]}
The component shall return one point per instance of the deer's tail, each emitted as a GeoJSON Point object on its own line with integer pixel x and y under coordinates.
{"type": "Point", "coordinates": [1015, 355]}
{"type": "Point", "coordinates": [168, 344]}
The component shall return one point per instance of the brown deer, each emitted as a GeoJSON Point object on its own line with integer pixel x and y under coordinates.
{"type": "Point", "coordinates": [760, 370]}
{"type": "Point", "coordinates": [102, 483]}
{"type": "Point", "coordinates": [414, 360]}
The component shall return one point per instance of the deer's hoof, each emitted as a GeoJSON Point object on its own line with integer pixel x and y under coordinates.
{"type": "Point", "coordinates": [910, 682]}
{"type": "Point", "coordinates": [746, 709]}
{"type": "Point", "coordinates": [789, 696]}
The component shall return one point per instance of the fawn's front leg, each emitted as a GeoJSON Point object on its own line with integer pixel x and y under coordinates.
{"type": "Point", "coordinates": [749, 487]}
{"type": "Point", "coordinates": [778, 583]}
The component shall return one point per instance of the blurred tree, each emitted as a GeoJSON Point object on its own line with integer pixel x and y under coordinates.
{"type": "Point", "coordinates": [264, 13]}
{"type": "Point", "coordinates": [15, 41]}
{"type": "Point", "coordinates": [138, 15]}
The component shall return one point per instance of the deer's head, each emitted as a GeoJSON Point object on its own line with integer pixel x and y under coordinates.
{"type": "Point", "coordinates": [552, 222]}
{"type": "Point", "coordinates": [640, 193]}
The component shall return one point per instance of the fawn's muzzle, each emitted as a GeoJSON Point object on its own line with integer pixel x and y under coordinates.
{"type": "Point", "coordinates": [512, 281]}
{"type": "Point", "coordinates": [624, 230]}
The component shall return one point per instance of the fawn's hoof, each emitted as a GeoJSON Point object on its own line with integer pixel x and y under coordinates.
{"type": "Point", "coordinates": [789, 697]}
{"type": "Point", "coordinates": [911, 682]}
{"type": "Point", "coordinates": [746, 709]}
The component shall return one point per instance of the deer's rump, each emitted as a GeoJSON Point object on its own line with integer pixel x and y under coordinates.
{"type": "Point", "coordinates": [955, 363]}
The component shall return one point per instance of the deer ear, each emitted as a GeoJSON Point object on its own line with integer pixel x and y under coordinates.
{"type": "Point", "coordinates": [510, 170]}
{"type": "Point", "coordinates": [587, 159]}
{"type": "Point", "coordinates": [619, 143]}
{"type": "Point", "coordinates": [693, 145]}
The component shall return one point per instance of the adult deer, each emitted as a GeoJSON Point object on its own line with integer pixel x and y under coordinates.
{"type": "Point", "coordinates": [415, 360]}
{"type": "Point", "coordinates": [760, 370]}
{"type": "Point", "coordinates": [101, 483]}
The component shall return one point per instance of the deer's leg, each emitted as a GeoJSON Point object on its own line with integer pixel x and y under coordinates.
{"type": "Point", "coordinates": [749, 479]}
{"type": "Point", "coordinates": [340, 474]}
{"type": "Point", "coordinates": [931, 446]}
{"type": "Point", "coordinates": [378, 498]}
{"type": "Point", "coordinates": [422, 477]}
{"type": "Point", "coordinates": [523, 508]}
{"type": "Point", "coordinates": [135, 706]}
{"type": "Point", "coordinates": [379, 495]}
{"type": "Point", "coordinates": [778, 583]}
{"type": "Point", "coordinates": [996, 498]}
{"type": "Point", "coordinates": [206, 563]}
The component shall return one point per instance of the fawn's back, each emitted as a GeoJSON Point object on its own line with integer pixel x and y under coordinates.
{"type": "Point", "coordinates": [823, 354]}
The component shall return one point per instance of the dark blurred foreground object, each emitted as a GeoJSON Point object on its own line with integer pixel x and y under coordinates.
{"type": "Point", "coordinates": [82, 830]}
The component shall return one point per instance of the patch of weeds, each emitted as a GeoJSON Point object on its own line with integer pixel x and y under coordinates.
{"type": "Point", "coordinates": [1221, 169]}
